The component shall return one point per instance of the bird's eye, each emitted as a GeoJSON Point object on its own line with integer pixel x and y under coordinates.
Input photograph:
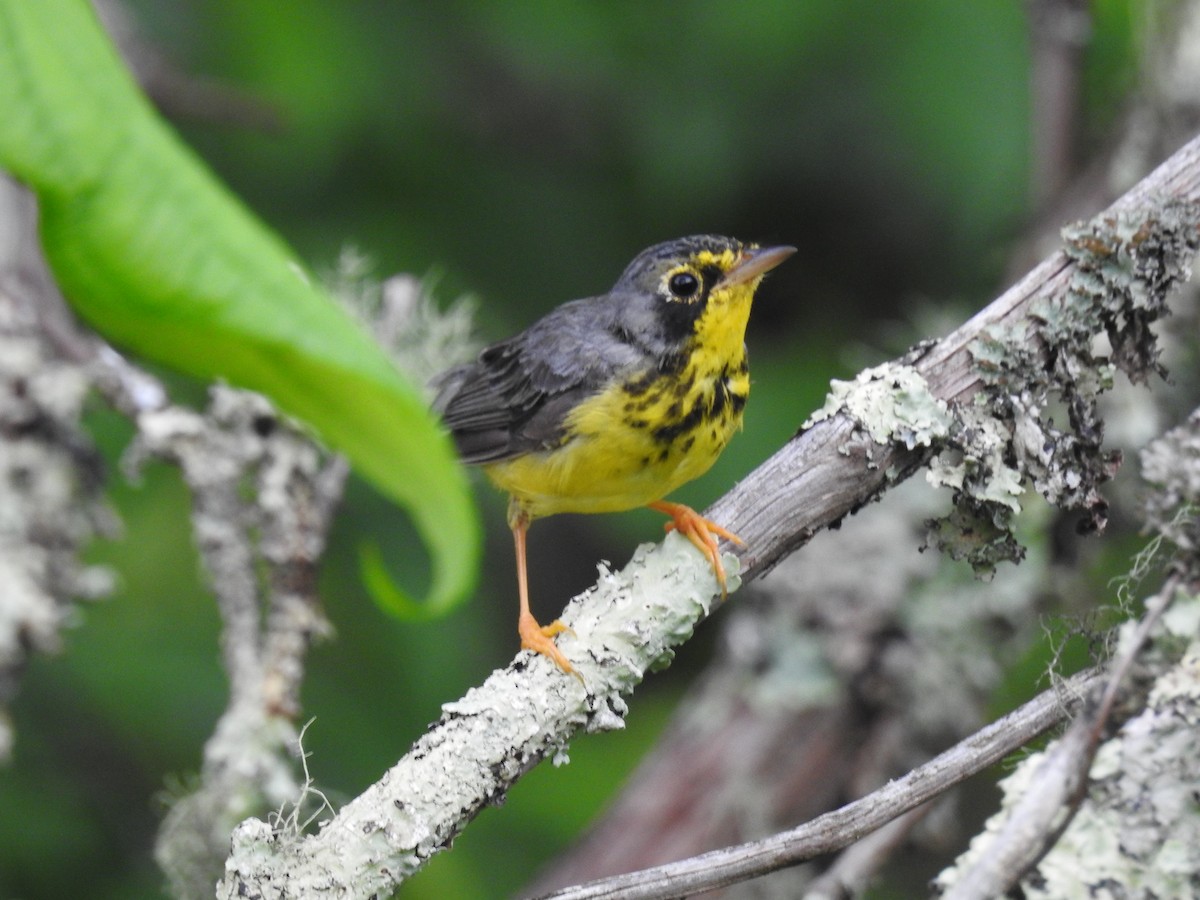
{"type": "Point", "coordinates": [683, 285]}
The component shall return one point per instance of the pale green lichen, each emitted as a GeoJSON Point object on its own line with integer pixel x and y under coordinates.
{"type": "Point", "coordinates": [487, 739]}
{"type": "Point", "coordinates": [892, 403]}
{"type": "Point", "coordinates": [1137, 833]}
{"type": "Point", "coordinates": [1128, 264]}
{"type": "Point", "coordinates": [1172, 465]}
{"type": "Point", "coordinates": [1125, 267]}
{"type": "Point", "coordinates": [642, 617]}
{"type": "Point", "coordinates": [977, 466]}
{"type": "Point", "coordinates": [990, 449]}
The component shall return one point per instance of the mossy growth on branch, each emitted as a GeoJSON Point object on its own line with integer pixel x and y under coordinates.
{"type": "Point", "coordinates": [1052, 360]}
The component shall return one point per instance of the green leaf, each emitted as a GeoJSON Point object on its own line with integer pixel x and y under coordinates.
{"type": "Point", "coordinates": [160, 257]}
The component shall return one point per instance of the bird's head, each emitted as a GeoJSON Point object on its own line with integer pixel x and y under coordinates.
{"type": "Point", "coordinates": [702, 286]}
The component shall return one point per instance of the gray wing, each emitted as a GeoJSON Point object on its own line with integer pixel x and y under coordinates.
{"type": "Point", "coordinates": [515, 397]}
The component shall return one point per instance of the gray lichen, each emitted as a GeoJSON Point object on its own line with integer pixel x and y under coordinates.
{"type": "Point", "coordinates": [483, 742]}
{"type": "Point", "coordinates": [1137, 833]}
{"type": "Point", "coordinates": [50, 497]}
{"type": "Point", "coordinates": [404, 316]}
{"type": "Point", "coordinates": [263, 494]}
{"type": "Point", "coordinates": [1125, 267]}
{"type": "Point", "coordinates": [1046, 364]}
{"type": "Point", "coordinates": [891, 402]}
{"type": "Point", "coordinates": [1171, 465]}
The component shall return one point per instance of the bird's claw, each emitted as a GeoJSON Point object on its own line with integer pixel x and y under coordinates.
{"type": "Point", "coordinates": [538, 638]}
{"type": "Point", "coordinates": [700, 531]}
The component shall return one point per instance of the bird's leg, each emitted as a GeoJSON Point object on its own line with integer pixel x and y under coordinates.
{"type": "Point", "coordinates": [534, 637]}
{"type": "Point", "coordinates": [700, 531]}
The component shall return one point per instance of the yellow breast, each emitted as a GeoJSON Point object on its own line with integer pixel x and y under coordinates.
{"type": "Point", "coordinates": [638, 440]}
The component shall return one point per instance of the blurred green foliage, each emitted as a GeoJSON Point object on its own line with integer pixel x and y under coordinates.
{"type": "Point", "coordinates": [163, 262]}
{"type": "Point", "coordinates": [526, 151]}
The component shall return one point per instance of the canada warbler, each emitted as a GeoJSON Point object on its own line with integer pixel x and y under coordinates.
{"type": "Point", "coordinates": [614, 401]}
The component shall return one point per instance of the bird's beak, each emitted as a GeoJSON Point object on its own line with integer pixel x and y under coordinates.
{"type": "Point", "coordinates": [756, 261]}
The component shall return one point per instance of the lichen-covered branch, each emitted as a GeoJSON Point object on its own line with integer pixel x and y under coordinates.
{"type": "Point", "coordinates": [844, 826]}
{"type": "Point", "coordinates": [820, 688]}
{"type": "Point", "coordinates": [1117, 275]}
{"type": "Point", "coordinates": [853, 661]}
{"type": "Point", "coordinates": [829, 470]}
{"type": "Point", "coordinates": [263, 498]}
{"type": "Point", "coordinates": [51, 503]}
{"type": "Point", "coordinates": [1149, 832]}
{"type": "Point", "coordinates": [1044, 796]}
{"type": "Point", "coordinates": [264, 495]}
{"type": "Point", "coordinates": [484, 742]}
{"type": "Point", "coordinates": [1117, 817]}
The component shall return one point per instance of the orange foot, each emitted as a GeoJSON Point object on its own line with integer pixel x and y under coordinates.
{"type": "Point", "coordinates": [700, 531]}
{"type": "Point", "coordinates": [537, 638]}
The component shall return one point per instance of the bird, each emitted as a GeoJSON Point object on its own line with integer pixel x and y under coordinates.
{"type": "Point", "coordinates": [612, 402]}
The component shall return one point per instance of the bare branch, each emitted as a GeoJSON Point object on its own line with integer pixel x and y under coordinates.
{"type": "Point", "coordinates": [1050, 801]}
{"type": "Point", "coordinates": [844, 826]}
{"type": "Point", "coordinates": [851, 873]}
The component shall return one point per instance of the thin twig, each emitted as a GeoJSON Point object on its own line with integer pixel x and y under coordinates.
{"type": "Point", "coordinates": [853, 870]}
{"type": "Point", "coordinates": [844, 826]}
{"type": "Point", "coordinates": [1059, 786]}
